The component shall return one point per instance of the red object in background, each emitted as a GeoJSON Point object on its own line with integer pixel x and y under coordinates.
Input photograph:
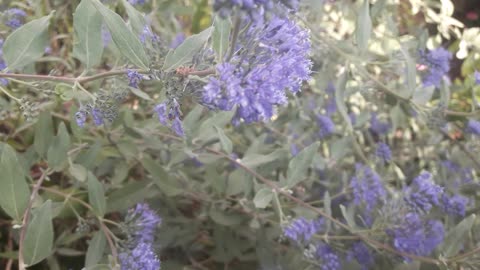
{"type": "Point", "coordinates": [472, 16]}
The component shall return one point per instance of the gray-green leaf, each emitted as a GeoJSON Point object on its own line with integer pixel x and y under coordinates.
{"type": "Point", "coordinates": [220, 37]}
{"type": "Point", "coordinates": [455, 238]}
{"type": "Point", "coordinates": [26, 44]}
{"type": "Point", "coordinates": [298, 166]}
{"type": "Point", "coordinates": [96, 195]}
{"type": "Point", "coordinates": [224, 140]}
{"type": "Point", "coordinates": [96, 248]}
{"type": "Point", "coordinates": [185, 52]}
{"type": "Point", "coordinates": [43, 133]}
{"type": "Point", "coordinates": [364, 26]}
{"type": "Point", "coordinates": [263, 198]}
{"type": "Point", "coordinates": [87, 24]}
{"type": "Point", "coordinates": [39, 236]}
{"type": "Point", "coordinates": [14, 191]}
{"type": "Point", "coordinates": [57, 154]}
{"type": "Point", "coordinates": [128, 44]}
{"type": "Point", "coordinates": [136, 19]}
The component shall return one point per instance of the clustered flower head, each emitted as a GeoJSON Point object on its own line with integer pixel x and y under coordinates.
{"type": "Point", "coordinates": [327, 257]}
{"type": "Point", "coordinates": [476, 76]}
{"type": "Point", "coordinates": [416, 236]}
{"type": "Point", "coordinates": [140, 225]}
{"type": "Point", "coordinates": [301, 230]}
{"type": "Point", "coordinates": [367, 187]}
{"type": "Point", "coordinates": [14, 17]}
{"type": "Point", "coordinates": [255, 9]}
{"type": "Point", "coordinates": [170, 111]}
{"type": "Point", "coordinates": [133, 78]}
{"type": "Point", "coordinates": [103, 110]}
{"type": "Point", "coordinates": [473, 127]}
{"type": "Point", "coordinates": [377, 126]}
{"type": "Point", "coordinates": [272, 57]}
{"type": "Point", "coordinates": [454, 205]}
{"type": "Point", "coordinates": [325, 125]}
{"type": "Point", "coordinates": [437, 62]}
{"type": "Point", "coordinates": [423, 193]}
{"type": "Point", "coordinates": [362, 255]}
{"type": "Point", "coordinates": [383, 152]}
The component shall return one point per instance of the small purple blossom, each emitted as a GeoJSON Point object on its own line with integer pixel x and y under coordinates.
{"type": "Point", "coordinates": [133, 78]}
{"type": "Point", "coordinates": [143, 222]}
{"type": "Point", "coordinates": [174, 114]}
{"type": "Point", "coordinates": [416, 236]}
{"type": "Point", "coordinates": [97, 117]}
{"type": "Point", "coordinates": [328, 258]}
{"type": "Point", "coordinates": [137, 2]}
{"type": "Point", "coordinates": [437, 62]}
{"type": "Point", "coordinates": [367, 187]}
{"type": "Point", "coordinates": [454, 205]}
{"type": "Point", "coordinates": [362, 255]}
{"type": "Point", "coordinates": [325, 125]}
{"type": "Point", "coordinates": [15, 17]}
{"type": "Point", "coordinates": [141, 257]}
{"type": "Point", "coordinates": [383, 152]}
{"type": "Point", "coordinates": [177, 127]}
{"type": "Point", "coordinates": [473, 127]}
{"type": "Point", "coordinates": [161, 110]}
{"type": "Point", "coordinates": [476, 75]}
{"type": "Point", "coordinates": [380, 128]}
{"type": "Point", "coordinates": [255, 9]}
{"type": "Point", "coordinates": [423, 193]}
{"type": "Point", "coordinates": [81, 118]}
{"type": "Point", "coordinates": [301, 230]}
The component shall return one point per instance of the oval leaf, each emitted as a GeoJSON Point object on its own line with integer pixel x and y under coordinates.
{"type": "Point", "coordinates": [263, 198]}
{"type": "Point", "coordinates": [298, 166]}
{"type": "Point", "coordinates": [364, 26]}
{"type": "Point", "coordinates": [27, 43]}
{"type": "Point", "coordinates": [14, 191]}
{"type": "Point", "coordinates": [96, 195]}
{"type": "Point", "coordinates": [220, 37]}
{"type": "Point", "coordinates": [57, 155]}
{"type": "Point", "coordinates": [39, 237]}
{"type": "Point", "coordinates": [43, 133]}
{"type": "Point", "coordinates": [96, 247]}
{"type": "Point", "coordinates": [87, 23]}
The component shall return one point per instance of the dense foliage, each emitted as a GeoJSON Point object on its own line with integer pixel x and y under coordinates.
{"type": "Point", "coordinates": [239, 134]}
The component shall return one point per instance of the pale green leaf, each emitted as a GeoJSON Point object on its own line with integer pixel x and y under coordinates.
{"type": "Point", "coordinates": [263, 198]}
{"type": "Point", "coordinates": [96, 195]}
{"type": "Point", "coordinates": [43, 133]}
{"type": "Point", "coordinates": [57, 155]}
{"type": "Point", "coordinates": [78, 171]}
{"type": "Point", "coordinates": [220, 37]}
{"type": "Point", "coordinates": [185, 52]}
{"type": "Point", "coordinates": [455, 238]}
{"type": "Point", "coordinates": [26, 44]}
{"type": "Point", "coordinates": [127, 43]}
{"type": "Point", "coordinates": [364, 26]}
{"type": "Point", "coordinates": [96, 247]}
{"type": "Point", "coordinates": [14, 191]}
{"type": "Point", "coordinates": [38, 243]}
{"type": "Point", "coordinates": [224, 140]}
{"type": "Point", "coordinates": [136, 19]}
{"type": "Point", "coordinates": [87, 24]}
{"type": "Point", "coordinates": [298, 166]}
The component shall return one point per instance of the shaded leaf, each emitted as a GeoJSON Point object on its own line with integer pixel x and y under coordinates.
{"type": "Point", "coordinates": [364, 26]}
{"type": "Point", "coordinates": [220, 37]}
{"type": "Point", "coordinates": [455, 237]}
{"type": "Point", "coordinates": [96, 247]}
{"type": "Point", "coordinates": [57, 155]}
{"type": "Point", "coordinates": [298, 166]}
{"type": "Point", "coordinates": [224, 140]}
{"type": "Point", "coordinates": [43, 133]}
{"type": "Point", "coordinates": [38, 243]}
{"type": "Point", "coordinates": [96, 195]}
{"type": "Point", "coordinates": [263, 198]}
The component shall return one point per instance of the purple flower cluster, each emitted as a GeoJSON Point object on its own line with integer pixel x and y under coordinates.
{"type": "Point", "coordinates": [416, 236]}
{"type": "Point", "coordinates": [329, 259]}
{"type": "Point", "coordinates": [133, 78]}
{"type": "Point", "coordinates": [437, 62]}
{"type": "Point", "coordinates": [476, 75]}
{"type": "Point", "coordinates": [383, 152]}
{"type": "Point", "coordinates": [325, 125]}
{"type": "Point", "coordinates": [273, 58]}
{"type": "Point", "coordinates": [137, 2]}
{"type": "Point", "coordinates": [367, 187]}
{"type": "Point", "coordinates": [362, 255]}
{"type": "Point", "coordinates": [377, 126]}
{"type": "Point", "coordinates": [141, 223]}
{"type": "Point", "coordinates": [301, 230]}
{"type": "Point", "coordinates": [454, 205]}
{"type": "Point", "coordinates": [3, 65]}
{"type": "Point", "coordinates": [14, 17]}
{"type": "Point", "coordinates": [174, 113]}
{"type": "Point", "coordinates": [473, 127]}
{"type": "Point", "coordinates": [255, 9]}
{"type": "Point", "coordinates": [423, 193]}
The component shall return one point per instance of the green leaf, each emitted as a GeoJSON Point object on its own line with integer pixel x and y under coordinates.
{"type": "Point", "coordinates": [160, 177]}
{"type": "Point", "coordinates": [57, 155]}
{"type": "Point", "coordinates": [327, 208]}
{"type": "Point", "coordinates": [298, 166]}
{"type": "Point", "coordinates": [136, 19]}
{"type": "Point", "coordinates": [456, 236]}
{"type": "Point", "coordinates": [87, 24]}
{"type": "Point", "coordinates": [220, 37]}
{"type": "Point", "coordinates": [96, 195]}
{"type": "Point", "coordinates": [224, 140]}
{"type": "Point", "coordinates": [185, 52]}
{"type": "Point", "coordinates": [96, 247]}
{"type": "Point", "coordinates": [422, 95]}
{"type": "Point", "coordinates": [348, 215]}
{"type": "Point", "coordinates": [255, 160]}
{"type": "Point", "coordinates": [340, 99]}
{"type": "Point", "coordinates": [364, 26]}
{"type": "Point", "coordinates": [263, 198]}
{"type": "Point", "coordinates": [43, 133]}
{"type": "Point", "coordinates": [38, 243]}
{"type": "Point", "coordinates": [139, 93]}
{"type": "Point", "coordinates": [224, 218]}
{"type": "Point", "coordinates": [26, 44]}
{"type": "Point", "coordinates": [14, 191]}
{"type": "Point", "coordinates": [78, 171]}
{"type": "Point", "coordinates": [127, 43]}
{"type": "Point", "coordinates": [411, 71]}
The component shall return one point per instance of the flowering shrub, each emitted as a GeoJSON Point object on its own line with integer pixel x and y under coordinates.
{"type": "Point", "coordinates": [239, 134]}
